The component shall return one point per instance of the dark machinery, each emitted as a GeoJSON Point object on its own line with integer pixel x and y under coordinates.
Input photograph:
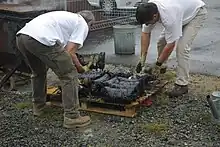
{"type": "Point", "coordinates": [12, 19]}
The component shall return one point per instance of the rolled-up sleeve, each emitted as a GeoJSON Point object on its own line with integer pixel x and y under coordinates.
{"type": "Point", "coordinates": [79, 34]}
{"type": "Point", "coordinates": [173, 31]}
{"type": "Point", "coordinates": [173, 26]}
{"type": "Point", "coordinates": [147, 28]}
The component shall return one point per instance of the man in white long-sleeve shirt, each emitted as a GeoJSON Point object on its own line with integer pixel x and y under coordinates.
{"type": "Point", "coordinates": [181, 20]}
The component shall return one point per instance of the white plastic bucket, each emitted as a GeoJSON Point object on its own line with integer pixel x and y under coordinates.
{"type": "Point", "coordinates": [124, 39]}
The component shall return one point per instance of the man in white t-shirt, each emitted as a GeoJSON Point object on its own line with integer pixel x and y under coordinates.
{"type": "Point", "coordinates": [181, 20]}
{"type": "Point", "coordinates": [51, 41]}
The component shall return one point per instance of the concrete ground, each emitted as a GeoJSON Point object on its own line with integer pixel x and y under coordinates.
{"type": "Point", "coordinates": [204, 54]}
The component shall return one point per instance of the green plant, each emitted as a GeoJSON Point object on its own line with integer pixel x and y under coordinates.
{"type": "Point", "coordinates": [23, 105]}
{"type": "Point", "coordinates": [156, 128]}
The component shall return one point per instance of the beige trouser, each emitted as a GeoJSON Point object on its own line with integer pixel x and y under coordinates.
{"type": "Point", "coordinates": [39, 57]}
{"type": "Point", "coordinates": [183, 46]}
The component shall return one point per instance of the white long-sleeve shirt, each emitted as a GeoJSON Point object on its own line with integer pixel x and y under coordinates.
{"type": "Point", "coordinates": [173, 15]}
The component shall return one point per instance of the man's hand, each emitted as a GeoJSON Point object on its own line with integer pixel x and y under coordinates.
{"type": "Point", "coordinates": [86, 68]}
{"type": "Point", "coordinates": [141, 64]}
{"type": "Point", "coordinates": [156, 69]}
{"type": "Point", "coordinates": [83, 69]}
{"type": "Point", "coordinates": [72, 48]}
{"type": "Point", "coordinates": [145, 42]}
{"type": "Point", "coordinates": [139, 67]}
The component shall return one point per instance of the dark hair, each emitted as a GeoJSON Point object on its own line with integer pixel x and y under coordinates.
{"type": "Point", "coordinates": [145, 12]}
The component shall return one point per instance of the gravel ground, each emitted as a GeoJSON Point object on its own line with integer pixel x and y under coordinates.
{"type": "Point", "coordinates": [183, 121]}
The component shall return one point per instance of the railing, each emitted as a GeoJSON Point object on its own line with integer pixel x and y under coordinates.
{"type": "Point", "coordinates": [107, 12]}
{"type": "Point", "coordinates": [106, 16]}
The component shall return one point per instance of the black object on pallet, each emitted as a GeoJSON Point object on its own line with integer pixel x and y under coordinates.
{"type": "Point", "coordinates": [114, 88]}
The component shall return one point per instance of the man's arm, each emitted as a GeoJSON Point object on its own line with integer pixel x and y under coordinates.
{"type": "Point", "coordinates": [145, 42]}
{"type": "Point", "coordinates": [173, 32]}
{"type": "Point", "coordinates": [166, 52]}
{"type": "Point", "coordinates": [72, 48]}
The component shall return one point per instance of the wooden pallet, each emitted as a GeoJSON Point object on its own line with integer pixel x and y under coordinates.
{"type": "Point", "coordinates": [99, 106]}
{"type": "Point", "coordinates": [126, 110]}
{"type": "Point", "coordinates": [108, 108]}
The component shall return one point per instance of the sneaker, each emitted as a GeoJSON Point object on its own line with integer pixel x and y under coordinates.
{"type": "Point", "coordinates": [38, 109]}
{"type": "Point", "coordinates": [178, 90]}
{"type": "Point", "coordinates": [81, 121]}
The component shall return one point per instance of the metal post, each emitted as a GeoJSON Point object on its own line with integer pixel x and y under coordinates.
{"type": "Point", "coordinates": [65, 4]}
{"type": "Point", "coordinates": [9, 74]}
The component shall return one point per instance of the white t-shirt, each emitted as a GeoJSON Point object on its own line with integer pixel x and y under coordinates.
{"type": "Point", "coordinates": [61, 26]}
{"type": "Point", "coordinates": [174, 14]}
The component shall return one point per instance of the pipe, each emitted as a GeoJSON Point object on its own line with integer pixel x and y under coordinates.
{"type": "Point", "coordinates": [65, 5]}
{"type": "Point", "coordinates": [212, 107]}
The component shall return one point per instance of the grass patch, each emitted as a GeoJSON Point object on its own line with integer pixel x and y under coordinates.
{"type": "Point", "coordinates": [204, 84]}
{"type": "Point", "coordinates": [203, 118]}
{"type": "Point", "coordinates": [169, 75]}
{"type": "Point", "coordinates": [52, 113]}
{"type": "Point", "coordinates": [157, 128]}
{"type": "Point", "coordinates": [162, 99]}
{"type": "Point", "coordinates": [49, 113]}
{"type": "Point", "coordinates": [23, 105]}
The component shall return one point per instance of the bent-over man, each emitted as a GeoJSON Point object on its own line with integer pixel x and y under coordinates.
{"type": "Point", "coordinates": [181, 20]}
{"type": "Point", "coordinates": [51, 41]}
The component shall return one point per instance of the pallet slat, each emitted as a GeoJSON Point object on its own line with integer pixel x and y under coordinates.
{"type": "Point", "coordinates": [126, 112]}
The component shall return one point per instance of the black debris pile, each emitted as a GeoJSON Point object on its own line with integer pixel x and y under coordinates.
{"type": "Point", "coordinates": [114, 87]}
{"type": "Point", "coordinates": [86, 82]}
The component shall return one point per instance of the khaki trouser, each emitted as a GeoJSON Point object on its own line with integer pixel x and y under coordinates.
{"type": "Point", "coordinates": [183, 45]}
{"type": "Point", "coordinates": [39, 58]}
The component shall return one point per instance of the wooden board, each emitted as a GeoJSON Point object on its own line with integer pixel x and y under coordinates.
{"type": "Point", "coordinates": [126, 112]}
